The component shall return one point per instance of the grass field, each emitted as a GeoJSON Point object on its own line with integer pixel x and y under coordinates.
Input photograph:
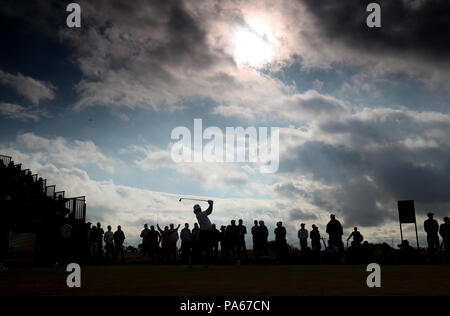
{"type": "Point", "coordinates": [229, 280]}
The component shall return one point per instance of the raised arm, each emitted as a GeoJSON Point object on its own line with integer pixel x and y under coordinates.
{"type": "Point", "coordinates": [210, 208]}
{"type": "Point", "coordinates": [350, 236]}
{"type": "Point", "coordinates": [159, 228]}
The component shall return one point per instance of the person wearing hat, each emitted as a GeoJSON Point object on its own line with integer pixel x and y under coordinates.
{"type": "Point", "coordinates": [431, 227]}
{"type": "Point", "coordinates": [444, 231]}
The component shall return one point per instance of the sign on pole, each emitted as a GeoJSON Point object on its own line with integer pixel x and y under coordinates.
{"type": "Point", "coordinates": [407, 215]}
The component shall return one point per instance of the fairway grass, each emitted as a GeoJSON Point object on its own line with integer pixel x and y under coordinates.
{"type": "Point", "coordinates": [229, 280]}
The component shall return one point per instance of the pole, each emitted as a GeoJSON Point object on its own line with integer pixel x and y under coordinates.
{"type": "Point", "coordinates": [417, 235]}
{"type": "Point", "coordinates": [401, 233]}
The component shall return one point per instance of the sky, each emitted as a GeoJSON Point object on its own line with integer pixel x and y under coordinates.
{"type": "Point", "coordinates": [363, 112]}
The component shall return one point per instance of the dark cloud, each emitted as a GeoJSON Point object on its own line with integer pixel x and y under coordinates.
{"type": "Point", "coordinates": [408, 27]}
{"type": "Point", "coordinates": [297, 214]}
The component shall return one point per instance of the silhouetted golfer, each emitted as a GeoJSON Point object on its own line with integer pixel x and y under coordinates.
{"type": "Point", "coordinates": [335, 232]}
{"type": "Point", "coordinates": [431, 227]}
{"type": "Point", "coordinates": [205, 230]}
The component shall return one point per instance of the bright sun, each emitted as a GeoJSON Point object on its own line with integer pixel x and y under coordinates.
{"type": "Point", "coordinates": [252, 48]}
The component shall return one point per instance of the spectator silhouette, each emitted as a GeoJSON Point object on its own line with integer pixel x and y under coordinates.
{"type": "Point", "coordinates": [444, 231]}
{"type": "Point", "coordinates": [223, 243]}
{"type": "Point", "coordinates": [315, 239]}
{"type": "Point", "coordinates": [109, 242]}
{"type": "Point", "coordinates": [254, 239]}
{"type": "Point", "coordinates": [335, 232]}
{"type": "Point", "coordinates": [431, 227]}
{"type": "Point", "coordinates": [165, 244]}
{"type": "Point", "coordinates": [233, 239]}
{"type": "Point", "coordinates": [215, 242]}
{"type": "Point", "coordinates": [186, 242]}
{"type": "Point", "coordinates": [154, 239]}
{"type": "Point", "coordinates": [263, 236]}
{"type": "Point", "coordinates": [119, 239]}
{"type": "Point", "coordinates": [145, 243]}
{"type": "Point", "coordinates": [332, 253]}
{"type": "Point", "coordinates": [93, 244]}
{"type": "Point", "coordinates": [100, 233]}
{"type": "Point", "coordinates": [303, 237]}
{"type": "Point", "coordinates": [241, 246]}
{"type": "Point", "coordinates": [173, 243]}
{"type": "Point", "coordinates": [196, 247]}
{"type": "Point", "coordinates": [357, 237]}
{"type": "Point", "coordinates": [280, 241]}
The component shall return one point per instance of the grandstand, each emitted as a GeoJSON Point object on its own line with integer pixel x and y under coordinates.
{"type": "Point", "coordinates": [38, 223]}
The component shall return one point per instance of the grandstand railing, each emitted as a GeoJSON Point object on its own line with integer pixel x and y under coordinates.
{"type": "Point", "coordinates": [6, 159]}
{"type": "Point", "coordinates": [50, 191]}
{"type": "Point", "coordinates": [59, 194]}
{"type": "Point", "coordinates": [77, 208]}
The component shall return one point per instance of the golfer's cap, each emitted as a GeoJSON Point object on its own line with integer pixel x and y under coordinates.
{"type": "Point", "coordinates": [332, 215]}
{"type": "Point", "coordinates": [196, 207]}
{"type": "Point", "coordinates": [430, 213]}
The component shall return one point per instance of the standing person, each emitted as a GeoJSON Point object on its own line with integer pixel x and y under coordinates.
{"type": "Point", "coordinates": [196, 251]}
{"type": "Point", "coordinates": [431, 227]}
{"type": "Point", "coordinates": [303, 236]}
{"type": "Point", "coordinates": [357, 237]}
{"type": "Point", "coordinates": [93, 244]}
{"type": "Point", "coordinates": [234, 240]}
{"type": "Point", "coordinates": [315, 239]}
{"type": "Point", "coordinates": [242, 248]}
{"type": "Point", "coordinates": [145, 243]}
{"type": "Point", "coordinates": [215, 242]}
{"type": "Point", "coordinates": [154, 238]}
{"type": "Point", "coordinates": [335, 232]}
{"type": "Point", "coordinates": [119, 238]}
{"type": "Point", "coordinates": [254, 238]}
{"type": "Point", "coordinates": [186, 241]}
{"type": "Point", "coordinates": [263, 233]}
{"type": "Point", "coordinates": [165, 243]}
{"type": "Point", "coordinates": [205, 229]}
{"type": "Point", "coordinates": [444, 231]}
{"type": "Point", "coordinates": [109, 242]}
{"type": "Point", "coordinates": [280, 241]}
{"type": "Point", "coordinates": [100, 233]}
{"type": "Point", "coordinates": [223, 243]}
{"type": "Point", "coordinates": [173, 243]}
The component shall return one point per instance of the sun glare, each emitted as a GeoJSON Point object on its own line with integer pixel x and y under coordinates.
{"type": "Point", "coordinates": [252, 48]}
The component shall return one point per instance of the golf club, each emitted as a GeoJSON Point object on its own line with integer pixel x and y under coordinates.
{"type": "Point", "coordinates": [192, 199]}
